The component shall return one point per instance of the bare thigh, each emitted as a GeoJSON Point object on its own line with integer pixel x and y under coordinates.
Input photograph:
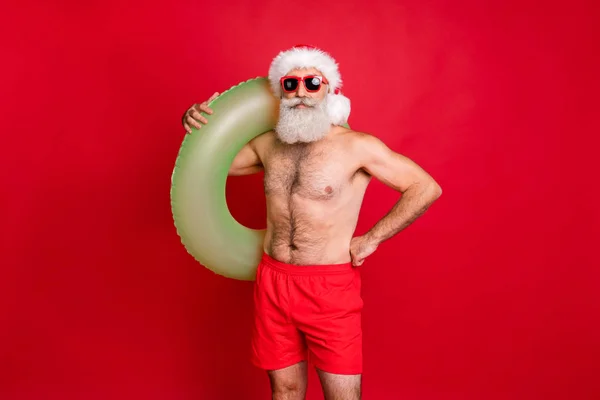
{"type": "Point", "coordinates": [289, 383]}
{"type": "Point", "coordinates": [340, 387]}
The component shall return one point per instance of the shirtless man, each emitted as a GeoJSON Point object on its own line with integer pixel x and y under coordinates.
{"type": "Point", "coordinates": [307, 301]}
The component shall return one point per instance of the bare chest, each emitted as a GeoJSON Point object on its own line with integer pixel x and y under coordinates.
{"type": "Point", "coordinates": [305, 171]}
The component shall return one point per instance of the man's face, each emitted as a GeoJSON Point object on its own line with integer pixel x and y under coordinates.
{"type": "Point", "coordinates": [303, 115]}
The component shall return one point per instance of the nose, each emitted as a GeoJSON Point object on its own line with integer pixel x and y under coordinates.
{"type": "Point", "coordinates": [301, 91]}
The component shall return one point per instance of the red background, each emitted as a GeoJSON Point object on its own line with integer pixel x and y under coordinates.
{"type": "Point", "coordinates": [493, 294]}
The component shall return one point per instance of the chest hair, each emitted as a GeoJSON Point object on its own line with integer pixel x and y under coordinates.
{"type": "Point", "coordinates": [302, 169]}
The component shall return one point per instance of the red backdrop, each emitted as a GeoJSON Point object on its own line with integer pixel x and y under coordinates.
{"type": "Point", "coordinates": [491, 295]}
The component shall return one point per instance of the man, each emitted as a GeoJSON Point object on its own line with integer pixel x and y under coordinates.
{"type": "Point", "coordinates": [307, 293]}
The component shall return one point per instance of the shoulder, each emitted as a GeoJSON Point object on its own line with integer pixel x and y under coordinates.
{"type": "Point", "coordinates": [364, 145]}
{"type": "Point", "coordinates": [261, 143]}
{"type": "Point", "coordinates": [263, 139]}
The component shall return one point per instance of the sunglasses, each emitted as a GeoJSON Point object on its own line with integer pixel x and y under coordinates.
{"type": "Point", "coordinates": [312, 83]}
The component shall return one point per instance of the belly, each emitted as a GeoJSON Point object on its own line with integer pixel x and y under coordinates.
{"type": "Point", "coordinates": [308, 232]}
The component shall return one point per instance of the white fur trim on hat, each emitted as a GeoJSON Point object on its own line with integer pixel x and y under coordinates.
{"type": "Point", "coordinates": [304, 57]}
{"type": "Point", "coordinates": [338, 108]}
{"type": "Point", "coordinates": [309, 57]}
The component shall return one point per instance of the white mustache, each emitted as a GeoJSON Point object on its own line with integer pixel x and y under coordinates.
{"type": "Point", "coordinates": [293, 102]}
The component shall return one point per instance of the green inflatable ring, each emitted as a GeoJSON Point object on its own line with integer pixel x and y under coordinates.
{"type": "Point", "coordinates": [203, 221]}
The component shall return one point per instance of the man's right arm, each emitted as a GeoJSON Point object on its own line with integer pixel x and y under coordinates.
{"type": "Point", "coordinates": [246, 162]}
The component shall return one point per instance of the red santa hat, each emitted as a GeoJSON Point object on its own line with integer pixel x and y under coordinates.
{"type": "Point", "coordinates": [305, 56]}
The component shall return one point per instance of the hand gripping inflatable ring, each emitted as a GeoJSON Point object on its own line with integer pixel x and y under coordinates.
{"type": "Point", "coordinates": [203, 221]}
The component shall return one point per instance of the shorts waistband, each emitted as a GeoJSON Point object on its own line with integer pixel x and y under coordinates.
{"type": "Point", "coordinates": [319, 269]}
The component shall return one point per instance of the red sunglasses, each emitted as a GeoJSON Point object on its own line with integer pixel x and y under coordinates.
{"type": "Point", "coordinates": [312, 83]}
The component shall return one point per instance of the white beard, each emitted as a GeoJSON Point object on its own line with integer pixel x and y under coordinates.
{"type": "Point", "coordinates": [302, 124]}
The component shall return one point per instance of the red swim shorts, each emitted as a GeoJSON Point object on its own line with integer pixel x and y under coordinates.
{"type": "Point", "coordinates": [308, 313]}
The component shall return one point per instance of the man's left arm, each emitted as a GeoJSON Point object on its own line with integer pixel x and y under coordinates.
{"type": "Point", "coordinates": [419, 190]}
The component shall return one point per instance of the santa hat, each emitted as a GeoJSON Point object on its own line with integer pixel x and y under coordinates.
{"type": "Point", "coordinates": [305, 56]}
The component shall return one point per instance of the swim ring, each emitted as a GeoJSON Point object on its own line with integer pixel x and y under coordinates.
{"type": "Point", "coordinates": [202, 218]}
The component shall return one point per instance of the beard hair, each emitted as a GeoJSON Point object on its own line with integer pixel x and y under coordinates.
{"type": "Point", "coordinates": [302, 124]}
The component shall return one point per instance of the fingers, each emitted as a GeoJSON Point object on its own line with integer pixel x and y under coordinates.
{"type": "Point", "coordinates": [354, 259]}
{"type": "Point", "coordinates": [204, 107]}
{"type": "Point", "coordinates": [198, 117]}
{"type": "Point", "coordinates": [193, 117]}
{"type": "Point", "coordinates": [191, 121]}
{"type": "Point", "coordinates": [357, 263]}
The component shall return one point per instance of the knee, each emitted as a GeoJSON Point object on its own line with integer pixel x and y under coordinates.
{"type": "Point", "coordinates": [287, 389]}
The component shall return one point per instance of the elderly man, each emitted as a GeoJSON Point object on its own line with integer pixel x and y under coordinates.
{"type": "Point", "coordinates": [307, 300]}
